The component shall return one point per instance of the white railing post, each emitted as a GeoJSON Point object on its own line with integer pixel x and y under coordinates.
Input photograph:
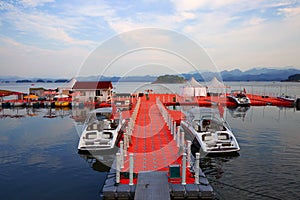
{"type": "Point", "coordinates": [189, 144]}
{"type": "Point", "coordinates": [121, 155]}
{"type": "Point", "coordinates": [175, 134]}
{"type": "Point", "coordinates": [182, 140]}
{"type": "Point", "coordinates": [118, 168]}
{"type": "Point", "coordinates": [174, 128]}
{"type": "Point", "coordinates": [171, 126]}
{"type": "Point", "coordinates": [183, 173]}
{"type": "Point", "coordinates": [131, 169]}
{"type": "Point", "coordinates": [127, 141]}
{"type": "Point", "coordinates": [178, 139]}
{"type": "Point", "coordinates": [125, 147]}
{"type": "Point", "coordinates": [196, 167]}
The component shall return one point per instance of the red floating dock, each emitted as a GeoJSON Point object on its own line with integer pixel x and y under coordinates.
{"type": "Point", "coordinates": [152, 143]}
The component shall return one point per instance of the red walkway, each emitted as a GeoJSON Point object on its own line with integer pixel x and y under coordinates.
{"type": "Point", "coordinates": [152, 143]}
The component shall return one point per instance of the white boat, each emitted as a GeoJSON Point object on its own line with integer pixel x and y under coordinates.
{"type": "Point", "coordinates": [287, 98]}
{"type": "Point", "coordinates": [206, 128]}
{"type": "Point", "coordinates": [239, 97]}
{"type": "Point", "coordinates": [101, 131]}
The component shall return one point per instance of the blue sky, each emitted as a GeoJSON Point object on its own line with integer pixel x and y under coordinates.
{"type": "Point", "coordinates": [54, 38]}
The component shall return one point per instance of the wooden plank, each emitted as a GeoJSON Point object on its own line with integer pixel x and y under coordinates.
{"type": "Point", "coordinates": [152, 185]}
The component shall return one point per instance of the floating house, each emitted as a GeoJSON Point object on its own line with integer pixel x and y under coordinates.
{"type": "Point", "coordinates": [92, 91]}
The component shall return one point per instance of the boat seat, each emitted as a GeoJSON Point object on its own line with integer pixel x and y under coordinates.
{"type": "Point", "coordinates": [89, 143]}
{"type": "Point", "coordinates": [207, 137]}
{"type": "Point", "coordinates": [91, 136]}
{"type": "Point", "coordinates": [223, 136]}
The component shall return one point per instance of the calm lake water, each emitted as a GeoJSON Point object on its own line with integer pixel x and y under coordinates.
{"type": "Point", "coordinates": [39, 158]}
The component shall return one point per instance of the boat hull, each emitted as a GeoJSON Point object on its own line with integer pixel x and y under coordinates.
{"type": "Point", "coordinates": [219, 147]}
{"type": "Point", "coordinates": [240, 102]}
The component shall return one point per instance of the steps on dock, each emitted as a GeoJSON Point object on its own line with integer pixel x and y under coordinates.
{"type": "Point", "coordinates": [152, 185]}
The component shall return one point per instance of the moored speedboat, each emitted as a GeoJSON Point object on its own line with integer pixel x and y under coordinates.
{"type": "Point", "coordinates": [101, 131]}
{"type": "Point", "coordinates": [62, 103]}
{"type": "Point", "coordinates": [239, 97]}
{"type": "Point", "coordinates": [205, 127]}
{"type": "Point", "coordinates": [287, 98]}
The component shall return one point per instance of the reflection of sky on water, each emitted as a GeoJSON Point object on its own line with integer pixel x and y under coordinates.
{"type": "Point", "coordinates": [39, 160]}
{"type": "Point", "coordinates": [270, 155]}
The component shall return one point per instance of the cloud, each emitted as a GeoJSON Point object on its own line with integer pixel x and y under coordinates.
{"type": "Point", "coordinates": [289, 12]}
{"type": "Point", "coordinates": [234, 32]}
{"type": "Point", "coordinates": [43, 26]}
{"type": "Point", "coordinates": [31, 61]}
{"type": "Point", "coordinates": [35, 3]}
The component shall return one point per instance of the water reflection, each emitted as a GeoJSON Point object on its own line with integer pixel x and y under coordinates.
{"type": "Point", "coordinates": [238, 112]}
{"type": "Point", "coordinates": [100, 163]}
{"type": "Point", "coordinates": [22, 112]}
{"type": "Point", "coordinates": [213, 165]}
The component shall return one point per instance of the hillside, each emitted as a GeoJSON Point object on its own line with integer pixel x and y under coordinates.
{"type": "Point", "coordinates": [169, 79]}
{"type": "Point", "coordinates": [255, 74]}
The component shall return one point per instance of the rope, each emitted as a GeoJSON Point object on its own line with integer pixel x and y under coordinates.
{"type": "Point", "coordinates": [243, 189]}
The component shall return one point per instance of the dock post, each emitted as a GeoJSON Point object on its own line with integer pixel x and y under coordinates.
{"type": "Point", "coordinates": [121, 155]}
{"type": "Point", "coordinates": [125, 146]}
{"type": "Point", "coordinates": [197, 163]}
{"type": "Point", "coordinates": [127, 141]}
{"type": "Point", "coordinates": [182, 140]}
{"type": "Point", "coordinates": [171, 126]}
{"type": "Point", "coordinates": [178, 139]}
{"type": "Point", "coordinates": [131, 169]}
{"type": "Point", "coordinates": [183, 173]}
{"type": "Point", "coordinates": [189, 144]}
{"type": "Point", "coordinates": [174, 128]}
{"type": "Point", "coordinates": [175, 134]}
{"type": "Point", "coordinates": [118, 168]}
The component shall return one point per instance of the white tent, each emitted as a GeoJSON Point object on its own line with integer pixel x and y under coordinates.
{"type": "Point", "coordinates": [193, 88]}
{"type": "Point", "coordinates": [216, 86]}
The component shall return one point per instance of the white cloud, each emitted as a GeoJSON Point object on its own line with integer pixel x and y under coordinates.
{"type": "Point", "coordinates": [289, 12]}
{"type": "Point", "coordinates": [192, 5]}
{"type": "Point", "coordinates": [26, 60]}
{"type": "Point", "coordinates": [235, 32]}
{"type": "Point", "coordinates": [34, 3]}
{"type": "Point", "coordinates": [267, 44]}
{"type": "Point", "coordinates": [46, 26]}
{"type": "Point", "coordinates": [256, 21]}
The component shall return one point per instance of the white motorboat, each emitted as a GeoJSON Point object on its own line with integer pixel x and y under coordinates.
{"type": "Point", "coordinates": [287, 98]}
{"type": "Point", "coordinates": [101, 131]}
{"type": "Point", "coordinates": [239, 97]}
{"type": "Point", "coordinates": [206, 128]}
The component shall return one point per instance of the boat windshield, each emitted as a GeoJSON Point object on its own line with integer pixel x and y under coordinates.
{"type": "Point", "coordinates": [103, 116]}
{"type": "Point", "coordinates": [95, 116]}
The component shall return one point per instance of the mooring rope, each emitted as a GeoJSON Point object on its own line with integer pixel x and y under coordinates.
{"type": "Point", "coordinates": [243, 189]}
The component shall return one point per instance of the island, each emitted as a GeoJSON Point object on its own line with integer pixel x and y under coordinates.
{"type": "Point", "coordinates": [293, 78]}
{"type": "Point", "coordinates": [169, 79]}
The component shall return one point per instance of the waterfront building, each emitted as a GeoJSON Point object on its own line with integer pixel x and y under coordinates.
{"type": "Point", "coordinates": [92, 91]}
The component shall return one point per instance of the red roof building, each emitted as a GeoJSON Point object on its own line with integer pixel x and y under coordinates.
{"type": "Point", "coordinates": [92, 91]}
{"type": "Point", "coordinates": [101, 85]}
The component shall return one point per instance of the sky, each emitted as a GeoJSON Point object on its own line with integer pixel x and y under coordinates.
{"type": "Point", "coordinates": [61, 38]}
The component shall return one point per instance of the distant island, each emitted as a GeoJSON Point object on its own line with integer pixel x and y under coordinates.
{"type": "Point", "coordinates": [41, 81]}
{"type": "Point", "coordinates": [293, 78]}
{"type": "Point", "coordinates": [169, 79]}
{"type": "Point", "coordinates": [254, 74]}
